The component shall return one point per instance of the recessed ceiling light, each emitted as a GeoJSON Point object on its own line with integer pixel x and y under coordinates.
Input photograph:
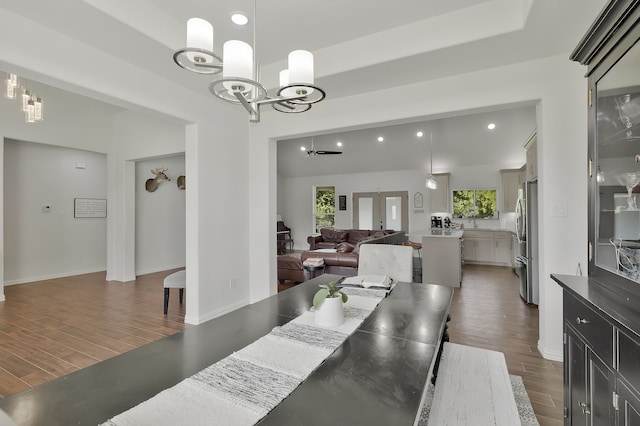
{"type": "Point", "coordinates": [419, 134]}
{"type": "Point", "coordinates": [380, 138]}
{"type": "Point", "coordinates": [302, 148]}
{"type": "Point", "coordinates": [239, 18]}
{"type": "Point", "coordinates": [491, 126]}
{"type": "Point", "coordinates": [339, 143]}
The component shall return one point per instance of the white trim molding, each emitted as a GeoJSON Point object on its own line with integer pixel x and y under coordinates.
{"type": "Point", "coordinates": [550, 355]}
{"type": "Point", "coordinates": [216, 314]}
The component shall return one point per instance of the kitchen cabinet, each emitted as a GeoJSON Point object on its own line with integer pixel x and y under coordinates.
{"type": "Point", "coordinates": [439, 197]}
{"type": "Point", "coordinates": [488, 247]}
{"type": "Point", "coordinates": [531, 168]}
{"type": "Point", "coordinates": [511, 180]}
{"type": "Point", "coordinates": [503, 248]}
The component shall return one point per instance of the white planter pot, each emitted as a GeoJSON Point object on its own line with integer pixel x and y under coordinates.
{"type": "Point", "coordinates": [331, 312]}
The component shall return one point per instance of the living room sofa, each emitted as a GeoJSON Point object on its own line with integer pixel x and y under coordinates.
{"type": "Point", "coordinates": [340, 248]}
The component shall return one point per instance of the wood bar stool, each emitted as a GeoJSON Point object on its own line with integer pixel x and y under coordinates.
{"type": "Point", "coordinates": [175, 280]}
{"type": "Point", "coordinates": [417, 269]}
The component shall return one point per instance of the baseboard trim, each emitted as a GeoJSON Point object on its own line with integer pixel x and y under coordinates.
{"type": "Point", "coordinates": [53, 276]}
{"type": "Point", "coordinates": [215, 314]}
{"type": "Point", "coordinates": [2, 299]}
{"type": "Point", "coordinates": [550, 355]}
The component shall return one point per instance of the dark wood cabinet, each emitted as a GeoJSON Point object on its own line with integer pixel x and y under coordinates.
{"type": "Point", "coordinates": [602, 311]}
{"type": "Point", "coordinates": [628, 407]}
{"type": "Point", "coordinates": [575, 356]}
{"type": "Point", "coordinates": [602, 365]}
{"type": "Point", "coordinates": [590, 381]}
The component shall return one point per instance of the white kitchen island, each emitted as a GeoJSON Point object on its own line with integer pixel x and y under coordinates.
{"type": "Point", "coordinates": [441, 257]}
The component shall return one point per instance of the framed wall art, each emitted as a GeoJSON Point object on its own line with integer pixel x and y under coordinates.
{"type": "Point", "coordinates": [417, 200]}
{"type": "Point", "coordinates": [89, 207]}
{"type": "Point", "coordinates": [342, 202]}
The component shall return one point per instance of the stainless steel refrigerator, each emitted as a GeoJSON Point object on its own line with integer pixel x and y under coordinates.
{"type": "Point", "coordinates": [527, 234]}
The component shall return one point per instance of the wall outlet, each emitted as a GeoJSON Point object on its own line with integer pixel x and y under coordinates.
{"type": "Point", "coordinates": [232, 283]}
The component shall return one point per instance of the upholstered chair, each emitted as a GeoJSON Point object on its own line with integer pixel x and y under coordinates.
{"type": "Point", "coordinates": [380, 259]}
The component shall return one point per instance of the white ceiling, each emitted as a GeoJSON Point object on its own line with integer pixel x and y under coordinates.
{"type": "Point", "coordinates": [359, 46]}
{"type": "Point", "coordinates": [457, 142]}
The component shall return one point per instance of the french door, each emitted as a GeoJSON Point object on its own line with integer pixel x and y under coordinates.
{"type": "Point", "coordinates": [381, 210]}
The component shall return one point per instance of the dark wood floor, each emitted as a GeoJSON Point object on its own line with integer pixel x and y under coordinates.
{"type": "Point", "coordinates": [487, 312]}
{"type": "Point", "coordinates": [54, 327]}
{"type": "Point", "coordinates": [51, 328]}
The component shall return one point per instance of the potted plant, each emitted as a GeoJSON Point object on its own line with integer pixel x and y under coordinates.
{"type": "Point", "coordinates": [328, 305]}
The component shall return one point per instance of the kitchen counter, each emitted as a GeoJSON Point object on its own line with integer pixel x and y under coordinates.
{"type": "Point", "coordinates": [441, 257]}
{"type": "Point", "coordinates": [452, 233]}
{"type": "Point", "coordinates": [490, 230]}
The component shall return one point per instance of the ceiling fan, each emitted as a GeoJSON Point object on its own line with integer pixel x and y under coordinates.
{"type": "Point", "coordinates": [314, 153]}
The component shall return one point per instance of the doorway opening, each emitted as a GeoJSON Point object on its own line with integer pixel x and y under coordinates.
{"type": "Point", "coordinates": [381, 210]}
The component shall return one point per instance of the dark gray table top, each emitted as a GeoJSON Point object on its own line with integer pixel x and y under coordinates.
{"type": "Point", "coordinates": [375, 377]}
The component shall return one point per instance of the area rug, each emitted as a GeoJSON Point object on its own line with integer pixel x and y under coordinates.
{"type": "Point", "coordinates": [525, 410]}
{"type": "Point", "coordinates": [242, 388]}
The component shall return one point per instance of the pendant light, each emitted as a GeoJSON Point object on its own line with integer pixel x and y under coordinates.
{"type": "Point", "coordinates": [431, 181]}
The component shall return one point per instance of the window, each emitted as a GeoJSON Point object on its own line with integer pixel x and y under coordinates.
{"type": "Point", "coordinates": [474, 203]}
{"type": "Point", "coordinates": [325, 207]}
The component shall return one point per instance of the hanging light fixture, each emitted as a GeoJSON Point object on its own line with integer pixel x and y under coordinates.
{"type": "Point", "coordinates": [431, 181]}
{"type": "Point", "coordinates": [30, 104]}
{"type": "Point", "coordinates": [11, 86]}
{"type": "Point", "coordinates": [239, 83]}
{"type": "Point", "coordinates": [30, 113]}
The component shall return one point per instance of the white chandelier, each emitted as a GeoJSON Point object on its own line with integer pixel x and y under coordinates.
{"type": "Point", "coordinates": [30, 104]}
{"type": "Point", "coordinates": [239, 83]}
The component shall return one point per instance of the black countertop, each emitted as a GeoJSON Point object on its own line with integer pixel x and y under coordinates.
{"type": "Point", "coordinates": [376, 377]}
{"type": "Point", "coordinates": [623, 308]}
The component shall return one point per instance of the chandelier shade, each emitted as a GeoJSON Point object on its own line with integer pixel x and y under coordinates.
{"type": "Point", "coordinates": [238, 62]}
{"type": "Point", "coordinates": [239, 83]}
{"type": "Point", "coordinates": [300, 64]}
{"type": "Point", "coordinates": [199, 36]}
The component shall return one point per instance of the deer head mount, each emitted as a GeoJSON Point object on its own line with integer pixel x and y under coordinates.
{"type": "Point", "coordinates": [181, 182]}
{"type": "Point", "coordinates": [153, 184]}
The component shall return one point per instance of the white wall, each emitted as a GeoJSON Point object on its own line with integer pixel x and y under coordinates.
{"type": "Point", "coordinates": [160, 217]}
{"type": "Point", "coordinates": [49, 244]}
{"type": "Point", "coordinates": [69, 121]}
{"type": "Point", "coordinates": [558, 86]}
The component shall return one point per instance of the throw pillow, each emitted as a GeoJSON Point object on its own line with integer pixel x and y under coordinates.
{"type": "Point", "coordinates": [378, 234]}
{"type": "Point", "coordinates": [356, 249]}
{"type": "Point", "coordinates": [327, 234]}
{"type": "Point", "coordinates": [333, 236]}
{"type": "Point", "coordinates": [344, 247]}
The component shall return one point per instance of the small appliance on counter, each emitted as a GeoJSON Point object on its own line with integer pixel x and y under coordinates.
{"type": "Point", "coordinates": [441, 220]}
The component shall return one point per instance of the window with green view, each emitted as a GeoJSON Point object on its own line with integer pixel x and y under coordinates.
{"type": "Point", "coordinates": [325, 207]}
{"type": "Point", "coordinates": [475, 203]}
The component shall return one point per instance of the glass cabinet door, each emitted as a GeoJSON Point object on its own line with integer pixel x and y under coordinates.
{"type": "Point", "coordinates": [617, 167]}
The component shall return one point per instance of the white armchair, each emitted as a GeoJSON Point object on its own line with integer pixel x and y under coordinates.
{"type": "Point", "coordinates": [380, 259]}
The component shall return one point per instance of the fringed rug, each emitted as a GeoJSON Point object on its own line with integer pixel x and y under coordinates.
{"type": "Point", "coordinates": [525, 410]}
{"type": "Point", "coordinates": [242, 388]}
